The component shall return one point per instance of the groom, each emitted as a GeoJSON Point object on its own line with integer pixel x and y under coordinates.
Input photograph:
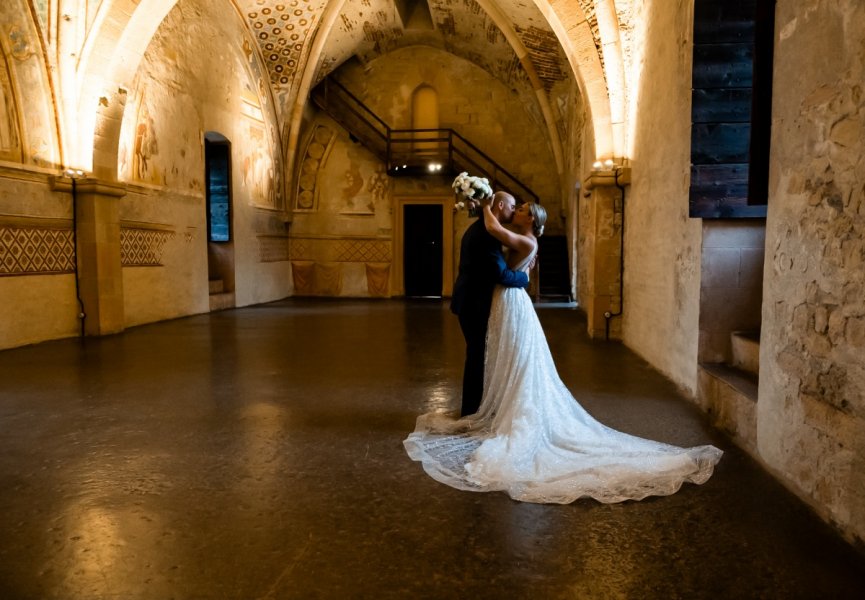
{"type": "Point", "coordinates": [482, 266]}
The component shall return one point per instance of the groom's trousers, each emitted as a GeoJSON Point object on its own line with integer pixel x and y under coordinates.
{"type": "Point", "coordinates": [474, 329]}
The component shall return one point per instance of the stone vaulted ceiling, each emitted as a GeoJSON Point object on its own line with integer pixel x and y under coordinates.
{"type": "Point", "coordinates": [284, 30]}
{"type": "Point", "coordinates": [366, 29]}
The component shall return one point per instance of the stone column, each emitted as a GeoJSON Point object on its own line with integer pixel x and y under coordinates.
{"type": "Point", "coordinates": [100, 274]}
{"type": "Point", "coordinates": [601, 229]}
{"type": "Point", "coordinates": [97, 249]}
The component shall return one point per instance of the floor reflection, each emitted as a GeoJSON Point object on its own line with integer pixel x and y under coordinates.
{"type": "Point", "coordinates": [257, 453]}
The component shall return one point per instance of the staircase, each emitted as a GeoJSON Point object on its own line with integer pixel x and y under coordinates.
{"type": "Point", "coordinates": [422, 152]}
{"type": "Point", "coordinates": [219, 298]}
{"type": "Point", "coordinates": [413, 152]}
{"type": "Point", "coordinates": [728, 392]}
{"type": "Point", "coordinates": [553, 269]}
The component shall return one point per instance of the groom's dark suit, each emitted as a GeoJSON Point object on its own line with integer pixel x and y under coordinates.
{"type": "Point", "coordinates": [482, 266]}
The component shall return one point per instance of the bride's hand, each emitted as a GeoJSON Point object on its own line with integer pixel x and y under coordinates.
{"type": "Point", "coordinates": [490, 222]}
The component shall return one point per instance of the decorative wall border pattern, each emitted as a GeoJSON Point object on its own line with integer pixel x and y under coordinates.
{"type": "Point", "coordinates": [314, 157]}
{"type": "Point", "coordinates": [375, 250]}
{"type": "Point", "coordinates": [273, 248]}
{"type": "Point", "coordinates": [142, 247]}
{"type": "Point", "coordinates": [28, 250]}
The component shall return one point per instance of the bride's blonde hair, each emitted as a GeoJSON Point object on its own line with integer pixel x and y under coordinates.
{"type": "Point", "coordinates": [539, 218]}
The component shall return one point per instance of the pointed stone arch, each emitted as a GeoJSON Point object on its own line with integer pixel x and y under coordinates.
{"type": "Point", "coordinates": [110, 60]}
{"type": "Point", "coordinates": [602, 84]}
{"type": "Point", "coordinates": [31, 105]}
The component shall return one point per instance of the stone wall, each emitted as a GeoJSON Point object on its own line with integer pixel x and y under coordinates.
{"type": "Point", "coordinates": [731, 284]}
{"type": "Point", "coordinates": [37, 288]}
{"type": "Point", "coordinates": [168, 230]}
{"type": "Point", "coordinates": [811, 408]}
{"type": "Point", "coordinates": [342, 229]}
{"type": "Point", "coordinates": [662, 244]}
{"type": "Point", "coordinates": [345, 229]}
{"type": "Point", "coordinates": [179, 94]}
{"type": "Point", "coordinates": [507, 126]}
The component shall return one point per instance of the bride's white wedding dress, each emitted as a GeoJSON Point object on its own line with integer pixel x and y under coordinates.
{"type": "Point", "coordinates": [530, 437]}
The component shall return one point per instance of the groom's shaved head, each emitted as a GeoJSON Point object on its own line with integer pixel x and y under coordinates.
{"type": "Point", "coordinates": [503, 206]}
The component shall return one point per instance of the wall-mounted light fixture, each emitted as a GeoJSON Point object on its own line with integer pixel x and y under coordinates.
{"type": "Point", "coordinates": [605, 165]}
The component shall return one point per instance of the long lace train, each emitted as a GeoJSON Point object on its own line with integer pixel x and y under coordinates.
{"type": "Point", "coordinates": [533, 440]}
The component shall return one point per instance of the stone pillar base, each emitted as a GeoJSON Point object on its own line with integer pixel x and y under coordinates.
{"type": "Point", "coordinates": [601, 230]}
{"type": "Point", "coordinates": [97, 251]}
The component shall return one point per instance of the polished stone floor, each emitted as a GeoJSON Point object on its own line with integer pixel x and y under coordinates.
{"type": "Point", "coordinates": [257, 453]}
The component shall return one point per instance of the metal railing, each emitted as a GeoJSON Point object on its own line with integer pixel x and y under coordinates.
{"type": "Point", "coordinates": [413, 151]}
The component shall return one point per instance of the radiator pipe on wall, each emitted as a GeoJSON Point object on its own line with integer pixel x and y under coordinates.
{"type": "Point", "coordinates": [609, 315]}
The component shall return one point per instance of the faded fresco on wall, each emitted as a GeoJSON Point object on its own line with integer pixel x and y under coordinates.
{"type": "Point", "coordinates": [353, 183]}
{"type": "Point", "coordinates": [34, 128]}
{"type": "Point", "coordinates": [257, 170]}
{"type": "Point", "coordinates": [156, 141]}
{"type": "Point", "coordinates": [10, 141]}
{"type": "Point", "coordinates": [314, 158]}
{"type": "Point", "coordinates": [256, 73]}
{"type": "Point", "coordinates": [41, 8]}
{"type": "Point", "coordinates": [260, 172]}
{"type": "Point", "coordinates": [260, 169]}
{"type": "Point", "coordinates": [20, 46]}
{"type": "Point", "coordinates": [144, 148]}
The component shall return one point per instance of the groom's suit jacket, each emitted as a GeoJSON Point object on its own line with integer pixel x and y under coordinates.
{"type": "Point", "coordinates": [482, 266]}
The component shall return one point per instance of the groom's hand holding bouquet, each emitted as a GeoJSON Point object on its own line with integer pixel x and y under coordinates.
{"type": "Point", "coordinates": [471, 191]}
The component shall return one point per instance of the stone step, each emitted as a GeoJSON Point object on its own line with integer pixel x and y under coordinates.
{"type": "Point", "coordinates": [221, 301]}
{"type": "Point", "coordinates": [729, 396]}
{"type": "Point", "coordinates": [217, 286]}
{"type": "Point", "coordinates": [746, 351]}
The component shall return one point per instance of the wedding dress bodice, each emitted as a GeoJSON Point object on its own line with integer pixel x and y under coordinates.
{"type": "Point", "coordinates": [532, 439]}
{"type": "Point", "coordinates": [523, 265]}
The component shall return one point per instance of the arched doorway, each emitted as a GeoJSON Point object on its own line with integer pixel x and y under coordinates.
{"type": "Point", "coordinates": [220, 241]}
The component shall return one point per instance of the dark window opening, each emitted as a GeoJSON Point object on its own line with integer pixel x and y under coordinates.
{"type": "Point", "coordinates": [731, 108]}
{"type": "Point", "coordinates": [217, 158]}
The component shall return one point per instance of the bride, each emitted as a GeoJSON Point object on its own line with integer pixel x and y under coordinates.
{"type": "Point", "coordinates": [530, 437]}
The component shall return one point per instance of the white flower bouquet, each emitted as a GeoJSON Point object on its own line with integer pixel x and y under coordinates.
{"type": "Point", "coordinates": [468, 188]}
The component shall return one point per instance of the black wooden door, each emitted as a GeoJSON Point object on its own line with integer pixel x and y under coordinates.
{"type": "Point", "coordinates": [422, 250]}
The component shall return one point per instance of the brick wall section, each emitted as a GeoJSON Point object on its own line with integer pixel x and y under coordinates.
{"type": "Point", "coordinates": [544, 49]}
